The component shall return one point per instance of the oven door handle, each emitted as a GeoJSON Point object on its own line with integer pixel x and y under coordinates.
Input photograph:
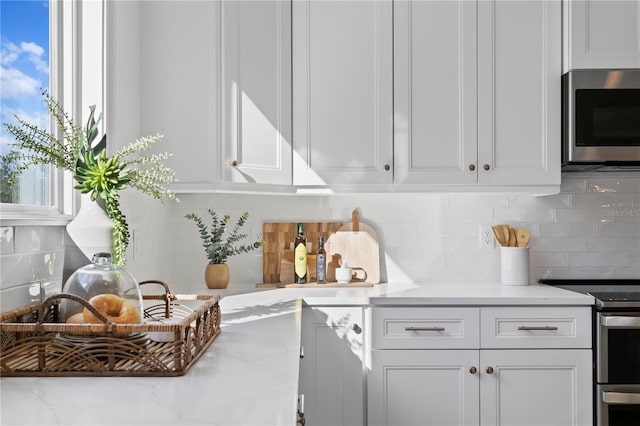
{"type": "Point", "coordinates": [620, 321]}
{"type": "Point", "coordinates": [620, 398]}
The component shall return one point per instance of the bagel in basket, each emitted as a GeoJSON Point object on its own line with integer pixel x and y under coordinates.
{"type": "Point", "coordinates": [115, 308]}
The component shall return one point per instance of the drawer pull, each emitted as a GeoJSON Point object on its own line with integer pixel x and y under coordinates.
{"type": "Point", "coordinates": [424, 328]}
{"type": "Point", "coordinates": [545, 328]}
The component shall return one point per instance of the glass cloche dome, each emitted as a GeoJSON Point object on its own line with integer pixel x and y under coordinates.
{"type": "Point", "coordinates": [108, 287]}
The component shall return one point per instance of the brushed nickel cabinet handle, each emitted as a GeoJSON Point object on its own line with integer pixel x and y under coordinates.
{"type": "Point", "coordinates": [486, 167]}
{"type": "Point", "coordinates": [473, 370]}
{"type": "Point", "coordinates": [233, 163]}
{"type": "Point", "coordinates": [489, 370]}
{"type": "Point", "coordinates": [424, 328]}
{"type": "Point", "coordinates": [545, 328]}
{"type": "Point", "coordinates": [472, 167]}
{"type": "Point", "coordinates": [387, 167]}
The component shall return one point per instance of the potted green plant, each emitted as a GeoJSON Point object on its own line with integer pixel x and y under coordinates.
{"type": "Point", "coordinates": [220, 245]}
{"type": "Point", "coordinates": [77, 150]}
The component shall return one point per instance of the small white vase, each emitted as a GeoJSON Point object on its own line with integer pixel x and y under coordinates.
{"type": "Point", "coordinates": [91, 228]}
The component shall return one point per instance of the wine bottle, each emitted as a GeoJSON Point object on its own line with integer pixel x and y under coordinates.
{"type": "Point", "coordinates": [300, 256]}
{"type": "Point", "coordinates": [321, 262]}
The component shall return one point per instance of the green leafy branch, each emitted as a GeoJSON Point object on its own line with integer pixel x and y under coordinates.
{"type": "Point", "coordinates": [96, 174]}
{"type": "Point", "coordinates": [218, 249]}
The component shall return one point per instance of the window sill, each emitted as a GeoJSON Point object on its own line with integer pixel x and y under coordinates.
{"type": "Point", "coordinates": [12, 215]}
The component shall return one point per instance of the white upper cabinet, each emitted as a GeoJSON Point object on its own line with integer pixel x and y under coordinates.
{"type": "Point", "coordinates": [342, 92]}
{"type": "Point", "coordinates": [170, 58]}
{"type": "Point", "coordinates": [519, 79]}
{"type": "Point", "coordinates": [256, 80]}
{"type": "Point", "coordinates": [477, 92]}
{"type": "Point", "coordinates": [602, 34]}
{"type": "Point", "coordinates": [435, 88]}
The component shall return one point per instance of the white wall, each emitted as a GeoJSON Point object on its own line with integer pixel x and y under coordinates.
{"type": "Point", "coordinates": [590, 230]}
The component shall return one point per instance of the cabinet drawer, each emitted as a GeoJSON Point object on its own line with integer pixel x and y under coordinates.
{"type": "Point", "coordinates": [425, 328]}
{"type": "Point", "coordinates": [548, 328]}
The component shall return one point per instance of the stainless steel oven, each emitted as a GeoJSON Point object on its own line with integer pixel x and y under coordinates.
{"type": "Point", "coordinates": [601, 119]}
{"type": "Point", "coordinates": [618, 405]}
{"type": "Point", "coordinates": [616, 347]}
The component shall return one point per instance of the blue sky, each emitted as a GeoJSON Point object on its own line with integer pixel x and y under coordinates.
{"type": "Point", "coordinates": [24, 61]}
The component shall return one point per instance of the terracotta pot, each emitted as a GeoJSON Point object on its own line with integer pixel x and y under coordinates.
{"type": "Point", "coordinates": [216, 275]}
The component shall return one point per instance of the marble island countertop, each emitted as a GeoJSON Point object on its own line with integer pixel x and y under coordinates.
{"type": "Point", "coordinates": [249, 375]}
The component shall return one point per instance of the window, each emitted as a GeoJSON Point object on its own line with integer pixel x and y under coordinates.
{"type": "Point", "coordinates": [24, 58]}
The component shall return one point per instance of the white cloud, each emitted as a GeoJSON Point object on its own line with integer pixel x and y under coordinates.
{"type": "Point", "coordinates": [15, 84]}
{"type": "Point", "coordinates": [9, 53]}
{"type": "Point", "coordinates": [35, 53]}
{"type": "Point", "coordinates": [32, 48]}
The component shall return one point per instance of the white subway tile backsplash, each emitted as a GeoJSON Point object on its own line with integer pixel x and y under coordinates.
{"type": "Point", "coordinates": [626, 273]}
{"type": "Point", "coordinates": [477, 201]}
{"type": "Point", "coordinates": [595, 215]}
{"type": "Point", "coordinates": [546, 259]}
{"type": "Point", "coordinates": [620, 229]}
{"type": "Point", "coordinates": [561, 200]}
{"type": "Point", "coordinates": [7, 240]}
{"type": "Point", "coordinates": [31, 239]}
{"type": "Point", "coordinates": [597, 259]}
{"type": "Point", "coordinates": [604, 200]}
{"type": "Point", "coordinates": [590, 230]}
{"type": "Point", "coordinates": [524, 215]}
{"type": "Point", "coordinates": [571, 184]}
{"type": "Point", "coordinates": [550, 245]}
{"type": "Point", "coordinates": [607, 184]}
{"type": "Point", "coordinates": [580, 273]}
{"type": "Point", "coordinates": [564, 229]}
{"type": "Point", "coordinates": [620, 245]}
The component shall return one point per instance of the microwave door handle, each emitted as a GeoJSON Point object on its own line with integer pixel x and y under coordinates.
{"type": "Point", "coordinates": [620, 321]}
{"type": "Point", "coordinates": [620, 398]}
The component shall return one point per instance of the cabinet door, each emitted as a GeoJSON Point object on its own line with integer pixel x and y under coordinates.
{"type": "Point", "coordinates": [342, 92]}
{"type": "Point", "coordinates": [536, 387]}
{"type": "Point", "coordinates": [331, 368]}
{"type": "Point", "coordinates": [602, 34]}
{"type": "Point", "coordinates": [519, 73]}
{"type": "Point", "coordinates": [435, 108]}
{"type": "Point", "coordinates": [256, 44]}
{"type": "Point", "coordinates": [423, 387]}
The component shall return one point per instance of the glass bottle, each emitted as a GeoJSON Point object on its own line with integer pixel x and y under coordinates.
{"type": "Point", "coordinates": [321, 262]}
{"type": "Point", "coordinates": [300, 256]}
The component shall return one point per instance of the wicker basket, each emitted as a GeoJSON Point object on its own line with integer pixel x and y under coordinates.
{"type": "Point", "coordinates": [33, 343]}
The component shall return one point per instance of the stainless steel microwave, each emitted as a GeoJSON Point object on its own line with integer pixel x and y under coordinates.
{"type": "Point", "coordinates": [601, 120]}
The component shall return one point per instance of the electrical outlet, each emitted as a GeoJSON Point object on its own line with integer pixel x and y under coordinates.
{"type": "Point", "coordinates": [486, 238]}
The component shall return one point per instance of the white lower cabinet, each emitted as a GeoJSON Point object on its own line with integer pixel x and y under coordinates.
{"type": "Point", "coordinates": [331, 378]}
{"type": "Point", "coordinates": [535, 387]}
{"type": "Point", "coordinates": [423, 387]}
{"type": "Point", "coordinates": [473, 383]}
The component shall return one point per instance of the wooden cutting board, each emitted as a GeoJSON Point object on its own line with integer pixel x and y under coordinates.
{"type": "Point", "coordinates": [357, 244]}
{"type": "Point", "coordinates": [278, 236]}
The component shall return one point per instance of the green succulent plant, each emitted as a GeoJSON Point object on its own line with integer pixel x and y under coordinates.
{"type": "Point", "coordinates": [95, 173]}
{"type": "Point", "coordinates": [218, 249]}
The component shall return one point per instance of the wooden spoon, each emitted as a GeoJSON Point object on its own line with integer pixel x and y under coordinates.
{"type": "Point", "coordinates": [497, 234]}
{"type": "Point", "coordinates": [505, 234]}
{"type": "Point", "coordinates": [512, 237]}
{"type": "Point", "coordinates": [522, 236]}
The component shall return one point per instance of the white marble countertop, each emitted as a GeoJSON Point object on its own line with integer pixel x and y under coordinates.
{"type": "Point", "coordinates": [249, 374]}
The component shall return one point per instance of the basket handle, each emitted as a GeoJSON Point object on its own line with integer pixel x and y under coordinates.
{"type": "Point", "coordinates": [53, 299]}
{"type": "Point", "coordinates": [167, 296]}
